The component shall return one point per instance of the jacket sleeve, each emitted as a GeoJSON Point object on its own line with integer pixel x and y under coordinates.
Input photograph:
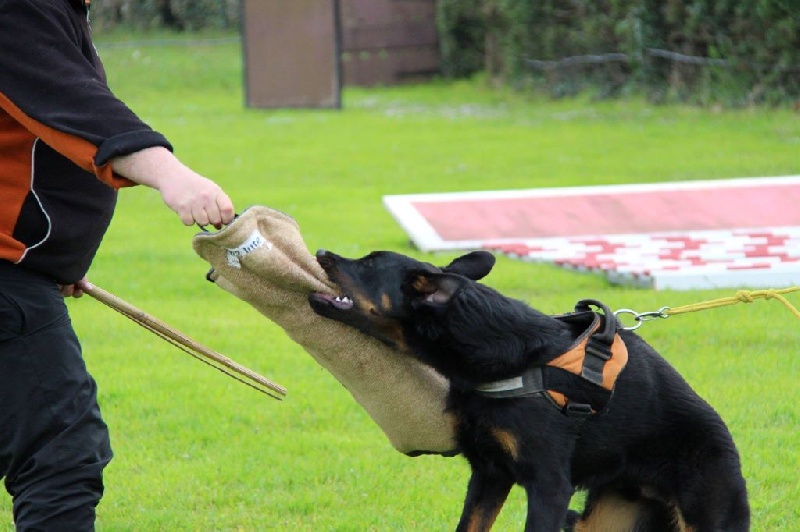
{"type": "Point", "coordinates": [53, 84]}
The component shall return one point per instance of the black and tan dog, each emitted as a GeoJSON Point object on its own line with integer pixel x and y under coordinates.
{"type": "Point", "coordinates": [552, 403]}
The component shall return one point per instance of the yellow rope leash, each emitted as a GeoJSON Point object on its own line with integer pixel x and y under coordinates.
{"type": "Point", "coordinates": [742, 296]}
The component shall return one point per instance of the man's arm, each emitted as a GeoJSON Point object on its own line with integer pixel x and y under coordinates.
{"type": "Point", "coordinates": [53, 85]}
{"type": "Point", "coordinates": [195, 198]}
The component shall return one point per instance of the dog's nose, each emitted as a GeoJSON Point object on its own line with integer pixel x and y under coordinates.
{"type": "Point", "coordinates": [325, 258]}
{"type": "Point", "coordinates": [210, 275]}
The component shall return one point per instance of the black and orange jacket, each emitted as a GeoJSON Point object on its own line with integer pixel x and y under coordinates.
{"type": "Point", "coordinates": [60, 126]}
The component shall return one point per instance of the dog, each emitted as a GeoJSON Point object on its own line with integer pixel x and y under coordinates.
{"type": "Point", "coordinates": [554, 404]}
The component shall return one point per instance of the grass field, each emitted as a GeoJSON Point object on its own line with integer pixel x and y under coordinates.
{"type": "Point", "coordinates": [198, 451]}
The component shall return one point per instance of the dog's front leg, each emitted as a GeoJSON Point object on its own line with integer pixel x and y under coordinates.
{"type": "Point", "coordinates": [548, 503]}
{"type": "Point", "coordinates": [486, 494]}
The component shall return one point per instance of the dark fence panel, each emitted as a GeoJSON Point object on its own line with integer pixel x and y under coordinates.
{"type": "Point", "coordinates": [382, 41]}
{"type": "Point", "coordinates": [388, 41]}
{"type": "Point", "coordinates": [290, 51]}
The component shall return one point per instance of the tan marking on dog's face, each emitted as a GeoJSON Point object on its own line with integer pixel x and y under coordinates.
{"type": "Point", "coordinates": [386, 303]}
{"type": "Point", "coordinates": [364, 304]}
{"type": "Point", "coordinates": [507, 441]}
{"type": "Point", "coordinates": [362, 300]}
{"type": "Point", "coordinates": [422, 285]}
{"type": "Point", "coordinates": [395, 335]}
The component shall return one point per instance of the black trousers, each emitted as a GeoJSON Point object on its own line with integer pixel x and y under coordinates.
{"type": "Point", "coordinates": [53, 442]}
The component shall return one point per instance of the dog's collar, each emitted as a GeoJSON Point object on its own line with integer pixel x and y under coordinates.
{"type": "Point", "coordinates": [529, 383]}
{"type": "Point", "coordinates": [596, 358]}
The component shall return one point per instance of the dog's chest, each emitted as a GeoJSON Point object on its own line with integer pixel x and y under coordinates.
{"type": "Point", "coordinates": [507, 430]}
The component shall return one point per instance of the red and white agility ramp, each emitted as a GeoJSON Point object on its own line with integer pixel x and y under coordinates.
{"type": "Point", "coordinates": [698, 234]}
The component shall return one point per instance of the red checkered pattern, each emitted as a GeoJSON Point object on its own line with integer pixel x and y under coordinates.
{"type": "Point", "coordinates": [763, 257]}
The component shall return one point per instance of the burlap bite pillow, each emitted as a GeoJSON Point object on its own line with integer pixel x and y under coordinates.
{"type": "Point", "coordinates": [262, 259]}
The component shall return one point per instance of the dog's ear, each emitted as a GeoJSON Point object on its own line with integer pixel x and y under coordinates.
{"type": "Point", "coordinates": [436, 288]}
{"type": "Point", "coordinates": [475, 265]}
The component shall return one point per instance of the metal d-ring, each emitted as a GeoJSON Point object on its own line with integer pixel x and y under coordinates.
{"type": "Point", "coordinates": [641, 317]}
{"type": "Point", "coordinates": [203, 227]}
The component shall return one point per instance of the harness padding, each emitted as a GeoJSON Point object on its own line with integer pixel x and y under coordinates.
{"type": "Point", "coordinates": [261, 258]}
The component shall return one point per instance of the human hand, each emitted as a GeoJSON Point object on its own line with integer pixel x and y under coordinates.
{"type": "Point", "coordinates": [76, 289]}
{"type": "Point", "coordinates": [196, 199]}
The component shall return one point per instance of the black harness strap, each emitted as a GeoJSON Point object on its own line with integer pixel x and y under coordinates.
{"type": "Point", "coordinates": [598, 349]}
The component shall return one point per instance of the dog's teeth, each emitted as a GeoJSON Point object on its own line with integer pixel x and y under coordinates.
{"type": "Point", "coordinates": [346, 299]}
{"type": "Point", "coordinates": [337, 298]}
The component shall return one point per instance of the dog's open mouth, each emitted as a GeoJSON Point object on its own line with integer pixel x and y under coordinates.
{"type": "Point", "coordinates": [319, 300]}
{"type": "Point", "coordinates": [338, 302]}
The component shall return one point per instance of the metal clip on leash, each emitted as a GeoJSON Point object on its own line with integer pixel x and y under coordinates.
{"type": "Point", "coordinates": [641, 317]}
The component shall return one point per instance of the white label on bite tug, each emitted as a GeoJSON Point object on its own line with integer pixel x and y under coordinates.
{"type": "Point", "coordinates": [254, 241]}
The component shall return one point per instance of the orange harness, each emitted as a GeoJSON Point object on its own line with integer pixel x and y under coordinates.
{"type": "Point", "coordinates": [580, 381]}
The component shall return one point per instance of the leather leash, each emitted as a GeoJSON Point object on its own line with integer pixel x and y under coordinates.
{"type": "Point", "coordinates": [188, 345]}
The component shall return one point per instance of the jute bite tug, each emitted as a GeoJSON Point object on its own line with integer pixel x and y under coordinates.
{"type": "Point", "coordinates": [261, 258]}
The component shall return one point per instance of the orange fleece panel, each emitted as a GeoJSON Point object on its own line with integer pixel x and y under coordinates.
{"type": "Point", "coordinates": [572, 360]}
{"type": "Point", "coordinates": [16, 167]}
{"type": "Point", "coordinates": [79, 151]}
{"type": "Point", "coordinates": [614, 366]}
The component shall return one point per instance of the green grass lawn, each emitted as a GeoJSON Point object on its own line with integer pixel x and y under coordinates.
{"type": "Point", "coordinates": [196, 450]}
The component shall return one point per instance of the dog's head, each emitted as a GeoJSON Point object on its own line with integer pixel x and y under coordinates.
{"type": "Point", "coordinates": [380, 290]}
{"type": "Point", "coordinates": [467, 331]}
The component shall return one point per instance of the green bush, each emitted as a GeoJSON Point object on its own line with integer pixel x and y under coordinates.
{"type": "Point", "coordinates": [731, 52]}
{"type": "Point", "coordinates": [462, 34]}
{"type": "Point", "coordinates": [183, 15]}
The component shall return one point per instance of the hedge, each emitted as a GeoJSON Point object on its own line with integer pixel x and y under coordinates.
{"type": "Point", "coordinates": [182, 15]}
{"type": "Point", "coordinates": [732, 52]}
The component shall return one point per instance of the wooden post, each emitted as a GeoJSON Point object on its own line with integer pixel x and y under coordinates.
{"type": "Point", "coordinates": [291, 53]}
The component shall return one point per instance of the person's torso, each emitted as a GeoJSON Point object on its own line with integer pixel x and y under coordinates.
{"type": "Point", "coordinates": [53, 213]}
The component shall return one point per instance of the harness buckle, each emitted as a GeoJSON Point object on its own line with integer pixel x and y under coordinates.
{"type": "Point", "coordinates": [598, 349]}
{"type": "Point", "coordinates": [597, 354]}
{"type": "Point", "coordinates": [579, 411]}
